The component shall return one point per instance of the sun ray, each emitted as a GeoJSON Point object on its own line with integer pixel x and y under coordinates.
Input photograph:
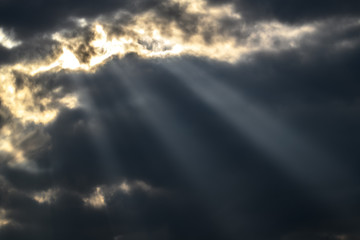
{"type": "Point", "coordinates": [95, 42]}
{"type": "Point", "coordinates": [300, 161]}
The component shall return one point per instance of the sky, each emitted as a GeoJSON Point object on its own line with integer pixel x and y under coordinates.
{"type": "Point", "coordinates": [179, 120]}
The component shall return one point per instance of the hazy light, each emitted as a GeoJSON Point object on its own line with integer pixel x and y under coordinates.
{"type": "Point", "coordinates": [146, 37]}
{"type": "Point", "coordinates": [47, 196]}
{"type": "Point", "coordinates": [125, 187]}
{"type": "Point", "coordinates": [3, 220]}
{"type": "Point", "coordinates": [68, 60]}
{"type": "Point", "coordinates": [301, 161]}
{"type": "Point", "coordinates": [96, 199]}
{"type": "Point", "coordinates": [187, 150]}
{"type": "Point", "coordinates": [7, 41]}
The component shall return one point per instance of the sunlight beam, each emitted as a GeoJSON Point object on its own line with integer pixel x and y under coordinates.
{"type": "Point", "coordinates": [299, 160]}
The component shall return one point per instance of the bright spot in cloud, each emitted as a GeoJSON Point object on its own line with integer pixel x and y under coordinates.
{"type": "Point", "coordinates": [125, 187]}
{"type": "Point", "coordinates": [7, 41]}
{"type": "Point", "coordinates": [3, 220]}
{"type": "Point", "coordinates": [68, 60]}
{"type": "Point", "coordinates": [47, 196]}
{"type": "Point", "coordinates": [96, 199]}
{"type": "Point", "coordinates": [145, 36]}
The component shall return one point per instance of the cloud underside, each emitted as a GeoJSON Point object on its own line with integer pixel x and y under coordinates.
{"type": "Point", "coordinates": [179, 120]}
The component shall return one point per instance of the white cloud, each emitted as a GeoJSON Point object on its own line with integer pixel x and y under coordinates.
{"type": "Point", "coordinates": [8, 41]}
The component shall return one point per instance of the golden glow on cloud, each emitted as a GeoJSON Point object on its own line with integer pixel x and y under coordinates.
{"type": "Point", "coordinates": [147, 35]}
{"type": "Point", "coordinates": [3, 220]}
{"type": "Point", "coordinates": [125, 187]}
{"type": "Point", "coordinates": [7, 145]}
{"type": "Point", "coordinates": [68, 60]}
{"type": "Point", "coordinates": [96, 200]}
{"type": "Point", "coordinates": [141, 185]}
{"type": "Point", "coordinates": [7, 41]}
{"type": "Point", "coordinates": [47, 196]}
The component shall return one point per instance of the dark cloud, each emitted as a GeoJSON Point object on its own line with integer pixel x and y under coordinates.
{"type": "Point", "coordinates": [175, 12]}
{"type": "Point", "coordinates": [294, 11]}
{"type": "Point", "coordinates": [38, 17]}
{"type": "Point", "coordinates": [131, 217]}
{"type": "Point", "coordinates": [146, 123]}
{"type": "Point", "coordinates": [34, 49]}
{"type": "Point", "coordinates": [5, 115]}
{"type": "Point", "coordinates": [240, 191]}
{"type": "Point", "coordinates": [5, 55]}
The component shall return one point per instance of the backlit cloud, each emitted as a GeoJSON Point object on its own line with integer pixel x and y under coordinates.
{"type": "Point", "coordinates": [148, 35]}
{"type": "Point", "coordinates": [7, 41]}
{"type": "Point", "coordinates": [179, 119]}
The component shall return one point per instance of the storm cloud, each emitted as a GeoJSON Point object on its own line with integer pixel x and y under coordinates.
{"type": "Point", "coordinates": [138, 120]}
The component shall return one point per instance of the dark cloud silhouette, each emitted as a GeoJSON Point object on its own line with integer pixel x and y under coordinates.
{"type": "Point", "coordinates": [294, 11]}
{"type": "Point", "coordinates": [155, 149]}
{"type": "Point", "coordinates": [240, 191]}
{"type": "Point", "coordinates": [38, 17]}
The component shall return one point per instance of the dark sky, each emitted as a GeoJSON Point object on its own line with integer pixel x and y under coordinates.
{"type": "Point", "coordinates": [179, 120]}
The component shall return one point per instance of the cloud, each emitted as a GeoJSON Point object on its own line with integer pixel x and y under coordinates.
{"type": "Point", "coordinates": [115, 124]}
{"type": "Point", "coordinates": [7, 41]}
{"type": "Point", "coordinates": [318, 236]}
{"type": "Point", "coordinates": [3, 220]}
{"type": "Point", "coordinates": [46, 17]}
{"type": "Point", "coordinates": [296, 11]}
{"type": "Point", "coordinates": [47, 196]}
{"type": "Point", "coordinates": [149, 34]}
{"type": "Point", "coordinates": [78, 165]}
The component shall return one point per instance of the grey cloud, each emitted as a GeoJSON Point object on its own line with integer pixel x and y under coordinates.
{"type": "Point", "coordinates": [140, 122]}
{"type": "Point", "coordinates": [295, 11]}
{"type": "Point", "coordinates": [45, 16]}
{"type": "Point", "coordinates": [76, 165]}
